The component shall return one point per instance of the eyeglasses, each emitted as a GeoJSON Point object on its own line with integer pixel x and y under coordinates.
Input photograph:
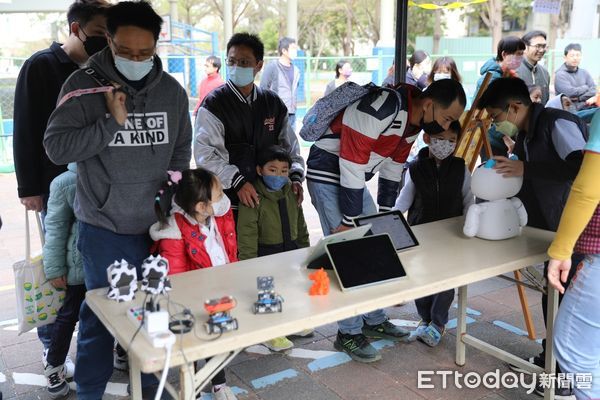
{"type": "Point", "coordinates": [244, 63]}
{"type": "Point", "coordinates": [540, 46]}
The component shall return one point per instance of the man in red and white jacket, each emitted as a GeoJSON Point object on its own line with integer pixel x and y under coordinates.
{"type": "Point", "coordinates": [372, 135]}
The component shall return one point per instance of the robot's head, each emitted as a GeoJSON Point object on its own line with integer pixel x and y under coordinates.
{"type": "Point", "coordinates": [489, 185]}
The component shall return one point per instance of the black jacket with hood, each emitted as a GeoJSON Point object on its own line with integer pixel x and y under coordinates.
{"type": "Point", "coordinates": [547, 176]}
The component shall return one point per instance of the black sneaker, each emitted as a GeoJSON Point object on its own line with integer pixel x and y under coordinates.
{"type": "Point", "coordinates": [357, 347]}
{"type": "Point", "coordinates": [120, 359]}
{"type": "Point", "coordinates": [386, 330]}
{"type": "Point", "coordinates": [532, 360]}
{"type": "Point", "coordinates": [56, 381]}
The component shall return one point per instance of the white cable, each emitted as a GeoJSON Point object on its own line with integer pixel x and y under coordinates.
{"type": "Point", "coordinates": [163, 378]}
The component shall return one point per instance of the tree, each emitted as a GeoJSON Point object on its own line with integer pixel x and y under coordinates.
{"type": "Point", "coordinates": [494, 12]}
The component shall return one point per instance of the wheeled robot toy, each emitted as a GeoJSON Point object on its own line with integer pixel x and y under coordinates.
{"type": "Point", "coordinates": [219, 317]}
{"type": "Point", "coordinates": [268, 301]}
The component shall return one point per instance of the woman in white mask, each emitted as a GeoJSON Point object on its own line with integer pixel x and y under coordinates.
{"type": "Point", "coordinates": [343, 71]}
{"type": "Point", "coordinates": [444, 68]}
{"type": "Point", "coordinates": [199, 233]}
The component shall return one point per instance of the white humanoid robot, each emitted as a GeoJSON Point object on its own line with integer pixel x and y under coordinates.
{"type": "Point", "coordinates": [501, 216]}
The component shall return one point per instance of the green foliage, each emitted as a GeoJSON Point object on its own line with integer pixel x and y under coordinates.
{"type": "Point", "coordinates": [420, 23]}
{"type": "Point", "coordinates": [269, 34]}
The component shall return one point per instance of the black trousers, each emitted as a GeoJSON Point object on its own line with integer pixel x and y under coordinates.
{"type": "Point", "coordinates": [435, 308]}
{"type": "Point", "coordinates": [68, 315]}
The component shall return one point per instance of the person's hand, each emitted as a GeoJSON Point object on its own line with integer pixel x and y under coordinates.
{"type": "Point", "coordinates": [115, 102]}
{"type": "Point", "coordinates": [508, 168]}
{"type": "Point", "coordinates": [591, 101]}
{"type": "Point", "coordinates": [558, 273]}
{"type": "Point", "coordinates": [33, 203]}
{"type": "Point", "coordinates": [510, 144]}
{"type": "Point", "coordinates": [341, 228]}
{"type": "Point", "coordinates": [298, 191]}
{"type": "Point", "coordinates": [248, 196]}
{"type": "Point", "coordinates": [59, 283]}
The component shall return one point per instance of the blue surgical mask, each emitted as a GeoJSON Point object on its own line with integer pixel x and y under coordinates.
{"type": "Point", "coordinates": [240, 76]}
{"type": "Point", "coordinates": [134, 70]}
{"type": "Point", "coordinates": [275, 182]}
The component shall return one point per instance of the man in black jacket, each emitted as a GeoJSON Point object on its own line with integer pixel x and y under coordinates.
{"type": "Point", "coordinates": [36, 94]}
{"type": "Point", "coordinates": [549, 144]}
{"type": "Point", "coordinates": [238, 120]}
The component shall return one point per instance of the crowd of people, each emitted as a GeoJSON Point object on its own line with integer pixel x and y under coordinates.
{"type": "Point", "coordinates": [110, 173]}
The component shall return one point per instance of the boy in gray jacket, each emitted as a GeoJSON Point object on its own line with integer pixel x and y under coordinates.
{"type": "Point", "coordinates": [123, 141]}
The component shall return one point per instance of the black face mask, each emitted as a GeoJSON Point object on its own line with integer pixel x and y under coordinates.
{"type": "Point", "coordinates": [431, 128]}
{"type": "Point", "coordinates": [94, 44]}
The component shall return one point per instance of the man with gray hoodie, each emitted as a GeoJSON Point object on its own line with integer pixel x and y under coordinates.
{"type": "Point", "coordinates": [124, 140]}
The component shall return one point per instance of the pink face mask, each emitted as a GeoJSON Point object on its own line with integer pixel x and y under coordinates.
{"type": "Point", "coordinates": [514, 61]}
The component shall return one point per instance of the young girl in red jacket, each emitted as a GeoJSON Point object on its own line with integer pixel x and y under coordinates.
{"type": "Point", "coordinates": [198, 233]}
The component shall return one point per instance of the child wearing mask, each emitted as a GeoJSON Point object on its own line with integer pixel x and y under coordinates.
{"type": "Point", "coordinates": [198, 233]}
{"type": "Point", "coordinates": [277, 223]}
{"type": "Point", "coordinates": [535, 93]}
{"type": "Point", "coordinates": [437, 186]}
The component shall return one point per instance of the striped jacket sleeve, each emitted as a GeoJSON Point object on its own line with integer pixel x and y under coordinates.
{"type": "Point", "coordinates": [362, 124]}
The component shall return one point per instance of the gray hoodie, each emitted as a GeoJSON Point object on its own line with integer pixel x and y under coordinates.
{"type": "Point", "coordinates": [120, 168]}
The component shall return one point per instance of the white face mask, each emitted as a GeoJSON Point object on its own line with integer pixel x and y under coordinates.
{"type": "Point", "coordinates": [221, 207]}
{"type": "Point", "coordinates": [134, 70]}
{"type": "Point", "coordinates": [441, 148]}
{"type": "Point", "coordinates": [292, 53]}
{"type": "Point", "coordinates": [438, 76]}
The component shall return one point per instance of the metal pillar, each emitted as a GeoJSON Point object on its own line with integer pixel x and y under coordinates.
{"type": "Point", "coordinates": [292, 19]}
{"type": "Point", "coordinates": [228, 18]}
{"type": "Point", "coordinates": [401, 40]}
{"type": "Point", "coordinates": [173, 10]}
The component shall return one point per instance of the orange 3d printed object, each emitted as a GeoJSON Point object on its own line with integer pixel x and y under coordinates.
{"type": "Point", "coordinates": [320, 283]}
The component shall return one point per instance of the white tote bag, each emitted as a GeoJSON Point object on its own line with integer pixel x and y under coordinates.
{"type": "Point", "coordinates": [38, 301]}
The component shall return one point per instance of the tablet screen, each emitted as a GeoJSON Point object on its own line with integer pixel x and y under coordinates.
{"type": "Point", "coordinates": [364, 261]}
{"type": "Point", "coordinates": [394, 224]}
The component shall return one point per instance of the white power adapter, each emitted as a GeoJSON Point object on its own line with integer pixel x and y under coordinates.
{"type": "Point", "coordinates": [155, 326]}
{"type": "Point", "coordinates": [156, 322]}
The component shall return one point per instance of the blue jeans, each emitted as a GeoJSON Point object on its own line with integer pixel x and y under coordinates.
{"type": "Point", "coordinates": [292, 121]}
{"type": "Point", "coordinates": [99, 248]}
{"type": "Point", "coordinates": [577, 325]}
{"type": "Point", "coordinates": [324, 198]}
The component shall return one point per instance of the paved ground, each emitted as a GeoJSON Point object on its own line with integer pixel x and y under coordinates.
{"type": "Point", "coordinates": [313, 370]}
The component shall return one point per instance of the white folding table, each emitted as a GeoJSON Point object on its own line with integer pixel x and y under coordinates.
{"type": "Point", "coordinates": [445, 259]}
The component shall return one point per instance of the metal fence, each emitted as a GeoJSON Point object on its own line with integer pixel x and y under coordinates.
{"type": "Point", "coordinates": [315, 72]}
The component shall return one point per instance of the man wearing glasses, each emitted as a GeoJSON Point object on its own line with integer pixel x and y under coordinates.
{"type": "Point", "coordinates": [124, 140]}
{"type": "Point", "coordinates": [238, 120]}
{"type": "Point", "coordinates": [531, 71]}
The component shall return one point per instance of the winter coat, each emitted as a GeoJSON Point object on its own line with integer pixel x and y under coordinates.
{"type": "Point", "coordinates": [261, 229]}
{"type": "Point", "coordinates": [61, 256]}
{"type": "Point", "coordinates": [182, 242]}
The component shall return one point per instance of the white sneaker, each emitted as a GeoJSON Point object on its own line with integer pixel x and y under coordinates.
{"type": "Point", "coordinates": [69, 367]}
{"type": "Point", "coordinates": [224, 393]}
{"type": "Point", "coordinates": [56, 385]}
{"type": "Point", "coordinates": [45, 358]}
